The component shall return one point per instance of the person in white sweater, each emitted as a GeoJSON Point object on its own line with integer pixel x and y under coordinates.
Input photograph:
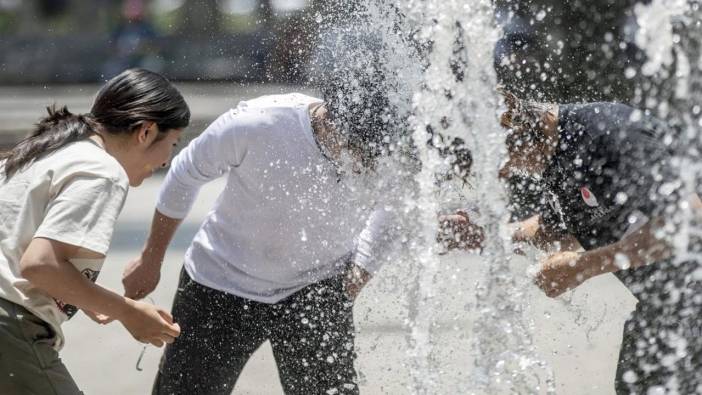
{"type": "Point", "coordinates": [280, 257]}
{"type": "Point", "coordinates": [293, 237]}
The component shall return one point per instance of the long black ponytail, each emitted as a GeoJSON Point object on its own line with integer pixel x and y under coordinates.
{"type": "Point", "coordinates": [120, 107]}
{"type": "Point", "coordinates": [59, 128]}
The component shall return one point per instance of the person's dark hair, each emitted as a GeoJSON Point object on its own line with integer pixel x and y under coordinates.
{"type": "Point", "coordinates": [349, 73]}
{"type": "Point", "coordinates": [361, 113]}
{"type": "Point", "coordinates": [120, 107]}
{"type": "Point", "coordinates": [523, 117]}
{"type": "Point", "coordinates": [359, 108]}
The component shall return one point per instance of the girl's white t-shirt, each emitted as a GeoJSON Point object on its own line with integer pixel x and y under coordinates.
{"type": "Point", "coordinates": [74, 196]}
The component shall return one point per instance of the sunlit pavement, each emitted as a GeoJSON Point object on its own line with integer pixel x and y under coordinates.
{"type": "Point", "coordinates": [577, 335]}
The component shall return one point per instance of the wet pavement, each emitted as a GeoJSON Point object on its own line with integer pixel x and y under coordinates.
{"type": "Point", "coordinates": [578, 335]}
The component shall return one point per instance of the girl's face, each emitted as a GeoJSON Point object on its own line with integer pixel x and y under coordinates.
{"type": "Point", "coordinates": [150, 152]}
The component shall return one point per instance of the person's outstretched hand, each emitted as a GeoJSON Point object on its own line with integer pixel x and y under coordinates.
{"type": "Point", "coordinates": [560, 272]}
{"type": "Point", "coordinates": [140, 278]}
{"type": "Point", "coordinates": [458, 232]}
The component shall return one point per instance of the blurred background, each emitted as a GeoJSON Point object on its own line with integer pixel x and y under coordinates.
{"type": "Point", "coordinates": [69, 41]}
{"type": "Point", "coordinates": [587, 45]}
{"type": "Point", "coordinates": [62, 50]}
{"type": "Point", "coordinates": [571, 50]}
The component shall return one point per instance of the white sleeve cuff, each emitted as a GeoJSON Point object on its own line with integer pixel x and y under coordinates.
{"type": "Point", "coordinates": [176, 198]}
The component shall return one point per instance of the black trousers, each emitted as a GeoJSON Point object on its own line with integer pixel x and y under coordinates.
{"type": "Point", "coordinates": [662, 340]}
{"type": "Point", "coordinates": [311, 333]}
{"type": "Point", "coordinates": [658, 352]}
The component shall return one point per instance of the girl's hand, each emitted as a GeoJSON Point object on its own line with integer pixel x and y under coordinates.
{"type": "Point", "coordinates": [150, 324]}
{"type": "Point", "coordinates": [561, 272]}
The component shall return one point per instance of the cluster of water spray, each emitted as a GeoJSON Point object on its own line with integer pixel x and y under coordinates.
{"type": "Point", "coordinates": [458, 97]}
{"type": "Point", "coordinates": [434, 62]}
{"type": "Point", "coordinates": [670, 34]}
{"type": "Point", "coordinates": [434, 59]}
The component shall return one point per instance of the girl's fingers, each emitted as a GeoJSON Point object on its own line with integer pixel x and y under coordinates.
{"type": "Point", "coordinates": [156, 342]}
{"type": "Point", "coordinates": [166, 315]}
{"type": "Point", "coordinates": [172, 330]}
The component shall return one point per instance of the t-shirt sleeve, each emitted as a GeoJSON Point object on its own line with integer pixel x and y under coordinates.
{"type": "Point", "coordinates": [206, 158]}
{"type": "Point", "coordinates": [83, 213]}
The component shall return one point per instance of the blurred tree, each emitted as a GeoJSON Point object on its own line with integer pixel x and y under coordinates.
{"type": "Point", "coordinates": [200, 18]}
{"type": "Point", "coordinates": [28, 19]}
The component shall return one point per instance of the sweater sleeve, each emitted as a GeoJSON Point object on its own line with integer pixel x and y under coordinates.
{"type": "Point", "coordinates": [206, 158]}
{"type": "Point", "coordinates": [374, 241]}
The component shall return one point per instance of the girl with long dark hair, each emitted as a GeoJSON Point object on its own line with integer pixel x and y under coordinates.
{"type": "Point", "coordinates": [61, 190]}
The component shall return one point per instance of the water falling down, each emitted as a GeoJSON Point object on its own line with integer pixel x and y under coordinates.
{"type": "Point", "coordinates": [438, 63]}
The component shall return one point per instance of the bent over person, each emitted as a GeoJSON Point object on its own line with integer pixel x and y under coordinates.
{"type": "Point", "coordinates": [281, 255]}
{"type": "Point", "coordinates": [611, 187]}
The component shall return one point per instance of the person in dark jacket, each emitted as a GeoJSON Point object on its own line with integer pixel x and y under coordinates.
{"type": "Point", "coordinates": [613, 203]}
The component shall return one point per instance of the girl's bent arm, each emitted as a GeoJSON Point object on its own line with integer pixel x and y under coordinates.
{"type": "Point", "coordinates": [46, 265]}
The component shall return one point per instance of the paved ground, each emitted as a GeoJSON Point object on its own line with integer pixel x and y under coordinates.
{"type": "Point", "coordinates": [577, 335]}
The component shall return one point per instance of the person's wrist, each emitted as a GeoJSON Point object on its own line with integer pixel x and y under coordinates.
{"type": "Point", "coordinates": [122, 310]}
{"type": "Point", "coordinates": [152, 257]}
{"type": "Point", "coordinates": [593, 263]}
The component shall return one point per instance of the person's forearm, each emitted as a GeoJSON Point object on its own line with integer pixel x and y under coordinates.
{"type": "Point", "coordinates": [62, 281]}
{"type": "Point", "coordinates": [162, 230]}
{"type": "Point", "coordinates": [563, 243]}
{"type": "Point", "coordinates": [638, 249]}
{"type": "Point", "coordinates": [533, 232]}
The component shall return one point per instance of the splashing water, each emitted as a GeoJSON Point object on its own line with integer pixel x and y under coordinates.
{"type": "Point", "coordinates": [458, 94]}
{"type": "Point", "coordinates": [438, 60]}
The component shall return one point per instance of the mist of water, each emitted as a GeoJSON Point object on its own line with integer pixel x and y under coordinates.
{"type": "Point", "coordinates": [438, 57]}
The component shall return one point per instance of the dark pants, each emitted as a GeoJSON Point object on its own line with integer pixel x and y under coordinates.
{"type": "Point", "coordinates": [659, 354]}
{"type": "Point", "coordinates": [29, 364]}
{"type": "Point", "coordinates": [662, 340]}
{"type": "Point", "coordinates": [311, 333]}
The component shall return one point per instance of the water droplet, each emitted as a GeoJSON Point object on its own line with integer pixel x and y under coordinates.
{"type": "Point", "coordinates": [621, 261]}
{"type": "Point", "coordinates": [630, 72]}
